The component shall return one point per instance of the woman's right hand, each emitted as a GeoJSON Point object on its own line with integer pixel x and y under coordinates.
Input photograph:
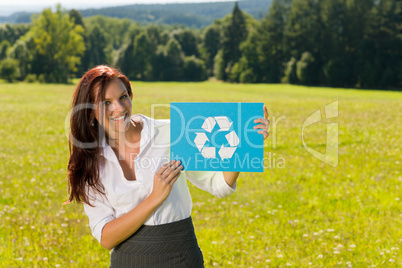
{"type": "Point", "coordinates": [164, 179]}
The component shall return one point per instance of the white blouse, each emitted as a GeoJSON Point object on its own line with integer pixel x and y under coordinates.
{"type": "Point", "coordinates": [123, 195]}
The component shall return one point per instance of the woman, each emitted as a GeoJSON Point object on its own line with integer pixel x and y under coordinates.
{"type": "Point", "coordinates": [137, 202]}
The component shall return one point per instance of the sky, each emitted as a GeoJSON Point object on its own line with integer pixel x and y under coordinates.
{"type": "Point", "coordinates": [32, 6]}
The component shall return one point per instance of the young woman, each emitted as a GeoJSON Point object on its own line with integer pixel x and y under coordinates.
{"type": "Point", "coordinates": [137, 202]}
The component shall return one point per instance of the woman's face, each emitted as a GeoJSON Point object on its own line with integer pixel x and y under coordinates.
{"type": "Point", "coordinates": [114, 113]}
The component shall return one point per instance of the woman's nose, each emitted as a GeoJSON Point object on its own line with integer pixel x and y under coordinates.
{"type": "Point", "coordinates": [116, 107]}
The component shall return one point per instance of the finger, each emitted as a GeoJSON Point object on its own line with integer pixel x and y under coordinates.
{"type": "Point", "coordinates": [174, 179]}
{"type": "Point", "coordinates": [260, 126]}
{"type": "Point", "coordinates": [171, 168]}
{"type": "Point", "coordinates": [264, 133]}
{"type": "Point", "coordinates": [174, 173]}
{"type": "Point", "coordinates": [163, 168]}
{"type": "Point", "coordinates": [262, 121]}
{"type": "Point", "coordinates": [265, 111]}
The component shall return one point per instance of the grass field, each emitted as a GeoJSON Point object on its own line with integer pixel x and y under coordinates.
{"type": "Point", "coordinates": [301, 213]}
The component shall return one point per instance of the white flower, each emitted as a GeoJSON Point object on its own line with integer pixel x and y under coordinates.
{"type": "Point", "coordinates": [320, 256]}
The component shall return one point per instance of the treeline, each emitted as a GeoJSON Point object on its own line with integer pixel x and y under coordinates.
{"type": "Point", "coordinates": [340, 43]}
{"type": "Point", "coordinates": [193, 15]}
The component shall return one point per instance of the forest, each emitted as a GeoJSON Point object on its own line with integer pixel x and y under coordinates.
{"type": "Point", "coordinates": [336, 43]}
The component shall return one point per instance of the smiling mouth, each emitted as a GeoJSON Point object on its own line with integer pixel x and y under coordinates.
{"type": "Point", "coordinates": [119, 118]}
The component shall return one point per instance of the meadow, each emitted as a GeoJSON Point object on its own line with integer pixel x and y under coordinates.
{"type": "Point", "coordinates": [299, 213]}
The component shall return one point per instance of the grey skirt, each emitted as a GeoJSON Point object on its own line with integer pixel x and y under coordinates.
{"type": "Point", "coordinates": [159, 246]}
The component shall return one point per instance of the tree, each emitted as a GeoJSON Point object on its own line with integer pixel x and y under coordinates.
{"type": "Point", "coordinates": [291, 72]}
{"type": "Point", "coordinates": [95, 52]}
{"type": "Point", "coordinates": [168, 63]}
{"type": "Point", "coordinates": [142, 56]}
{"type": "Point", "coordinates": [4, 46]}
{"type": "Point", "coordinates": [270, 44]}
{"type": "Point", "coordinates": [305, 69]}
{"type": "Point", "coordinates": [194, 69]}
{"type": "Point", "coordinates": [303, 32]}
{"type": "Point", "coordinates": [76, 17]}
{"type": "Point", "coordinates": [9, 69]}
{"type": "Point", "coordinates": [188, 42]}
{"type": "Point", "coordinates": [233, 35]}
{"type": "Point", "coordinates": [211, 45]}
{"type": "Point", "coordinates": [23, 54]}
{"type": "Point", "coordinates": [59, 41]}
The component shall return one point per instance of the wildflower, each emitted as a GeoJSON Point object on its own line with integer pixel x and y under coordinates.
{"type": "Point", "coordinates": [320, 256]}
{"type": "Point", "coordinates": [280, 256]}
{"type": "Point", "coordinates": [337, 252]}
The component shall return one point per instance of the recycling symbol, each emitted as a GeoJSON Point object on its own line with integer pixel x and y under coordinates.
{"type": "Point", "coordinates": [231, 137]}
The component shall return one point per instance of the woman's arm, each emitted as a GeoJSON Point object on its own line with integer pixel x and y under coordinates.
{"type": "Point", "coordinates": [230, 177]}
{"type": "Point", "coordinates": [116, 231]}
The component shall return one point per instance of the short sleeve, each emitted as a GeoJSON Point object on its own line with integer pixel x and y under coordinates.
{"type": "Point", "coordinates": [100, 214]}
{"type": "Point", "coordinates": [210, 181]}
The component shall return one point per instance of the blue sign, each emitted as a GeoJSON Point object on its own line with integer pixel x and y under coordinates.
{"type": "Point", "coordinates": [216, 136]}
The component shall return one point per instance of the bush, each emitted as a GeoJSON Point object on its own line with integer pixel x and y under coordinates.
{"type": "Point", "coordinates": [291, 72]}
{"type": "Point", "coordinates": [248, 76]}
{"type": "Point", "coordinates": [194, 69]}
{"type": "Point", "coordinates": [41, 78]}
{"type": "Point", "coordinates": [9, 69]}
{"type": "Point", "coordinates": [30, 78]}
{"type": "Point", "coordinates": [305, 69]}
{"type": "Point", "coordinates": [234, 75]}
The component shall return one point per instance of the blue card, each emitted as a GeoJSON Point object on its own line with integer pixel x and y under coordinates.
{"type": "Point", "coordinates": [216, 136]}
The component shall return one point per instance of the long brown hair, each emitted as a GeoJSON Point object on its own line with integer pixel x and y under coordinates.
{"type": "Point", "coordinates": [86, 133]}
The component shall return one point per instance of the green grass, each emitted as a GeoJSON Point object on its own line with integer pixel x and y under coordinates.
{"type": "Point", "coordinates": [305, 214]}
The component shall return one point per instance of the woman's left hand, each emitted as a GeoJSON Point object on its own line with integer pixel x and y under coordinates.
{"type": "Point", "coordinates": [264, 123]}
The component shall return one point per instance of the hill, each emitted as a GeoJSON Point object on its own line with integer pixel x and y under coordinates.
{"type": "Point", "coordinates": [196, 15]}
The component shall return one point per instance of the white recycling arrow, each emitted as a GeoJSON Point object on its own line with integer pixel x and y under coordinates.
{"type": "Point", "coordinates": [226, 152]}
{"type": "Point", "coordinates": [208, 152]}
{"type": "Point", "coordinates": [232, 139]}
{"type": "Point", "coordinates": [223, 122]}
{"type": "Point", "coordinates": [209, 124]}
{"type": "Point", "coordinates": [200, 140]}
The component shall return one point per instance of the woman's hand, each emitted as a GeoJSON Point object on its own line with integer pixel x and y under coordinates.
{"type": "Point", "coordinates": [164, 179]}
{"type": "Point", "coordinates": [264, 123]}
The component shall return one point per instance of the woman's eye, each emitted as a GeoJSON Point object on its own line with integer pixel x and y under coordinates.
{"type": "Point", "coordinates": [106, 103]}
{"type": "Point", "coordinates": [124, 96]}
